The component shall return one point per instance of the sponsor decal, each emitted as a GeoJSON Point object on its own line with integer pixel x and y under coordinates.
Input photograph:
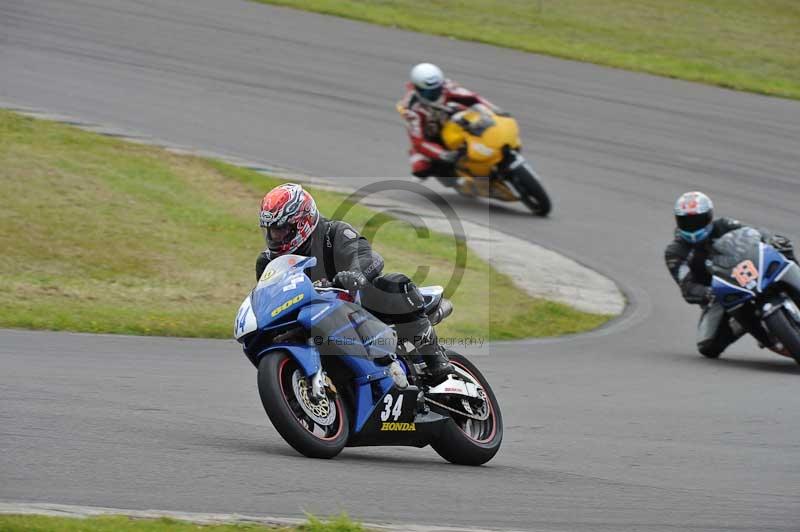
{"type": "Point", "coordinates": [357, 318]}
{"type": "Point", "coordinates": [241, 318]}
{"type": "Point", "coordinates": [398, 427]}
{"type": "Point", "coordinates": [746, 274]}
{"type": "Point", "coordinates": [349, 233]}
{"type": "Point", "coordinates": [482, 149]}
{"type": "Point", "coordinates": [388, 412]}
{"type": "Point", "coordinates": [286, 305]}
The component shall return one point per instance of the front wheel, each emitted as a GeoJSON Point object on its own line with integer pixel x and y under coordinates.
{"type": "Point", "coordinates": [530, 189]}
{"type": "Point", "coordinates": [466, 441]}
{"type": "Point", "coordinates": [316, 429]}
{"type": "Point", "coordinates": [786, 330]}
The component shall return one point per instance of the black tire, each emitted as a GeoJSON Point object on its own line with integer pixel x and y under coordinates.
{"type": "Point", "coordinates": [785, 329]}
{"type": "Point", "coordinates": [531, 191]}
{"type": "Point", "coordinates": [282, 405]}
{"type": "Point", "coordinates": [453, 443]}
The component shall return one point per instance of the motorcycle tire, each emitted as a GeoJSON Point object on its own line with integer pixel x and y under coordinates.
{"type": "Point", "coordinates": [784, 328]}
{"type": "Point", "coordinates": [454, 444]}
{"type": "Point", "coordinates": [282, 403]}
{"type": "Point", "coordinates": [531, 191]}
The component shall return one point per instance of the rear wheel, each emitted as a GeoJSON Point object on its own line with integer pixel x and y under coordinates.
{"type": "Point", "coordinates": [786, 330]}
{"type": "Point", "coordinates": [530, 189]}
{"type": "Point", "coordinates": [464, 440]}
{"type": "Point", "coordinates": [316, 429]}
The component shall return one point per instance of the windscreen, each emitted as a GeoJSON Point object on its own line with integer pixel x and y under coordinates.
{"type": "Point", "coordinates": [736, 246]}
{"type": "Point", "coordinates": [482, 122]}
{"type": "Point", "coordinates": [282, 264]}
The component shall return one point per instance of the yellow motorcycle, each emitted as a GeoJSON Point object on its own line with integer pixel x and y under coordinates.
{"type": "Point", "coordinates": [490, 164]}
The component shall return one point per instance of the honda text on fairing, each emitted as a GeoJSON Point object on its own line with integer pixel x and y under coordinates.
{"type": "Point", "coordinates": [489, 162]}
{"type": "Point", "coordinates": [332, 375]}
{"type": "Point", "coordinates": [755, 282]}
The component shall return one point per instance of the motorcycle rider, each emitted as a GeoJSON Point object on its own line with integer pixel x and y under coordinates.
{"type": "Point", "coordinates": [429, 101]}
{"type": "Point", "coordinates": [686, 259]}
{"type": "Point", "coordinates": [292, 224]}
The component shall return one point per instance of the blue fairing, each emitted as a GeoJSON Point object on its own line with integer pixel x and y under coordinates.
{"type": "Point", "coordinates": [306, 356]}
{"type": "Point", "coordinates": [770, 273]}
{"type": "Point", "coordinates": [729, 295]}
{"type": "Point", "coordinates": [365, 372]}
{"type": "Point", "coordinates": [312, 314]}
{"type": "Point", "coordinates": [267, 298]}
{"type": "Point", "coordinates": [286, 296]}
{"type": "Point", "coordinates": [772, 265]}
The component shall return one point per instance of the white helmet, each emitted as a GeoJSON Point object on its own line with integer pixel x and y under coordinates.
{"type": "Point", "coordinates": [428, 81]}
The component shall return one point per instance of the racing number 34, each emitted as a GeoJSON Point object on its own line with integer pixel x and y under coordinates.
{"type": "Point", "coordinates": [388, 411]}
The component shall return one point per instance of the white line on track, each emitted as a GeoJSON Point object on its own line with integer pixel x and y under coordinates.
{"type": "Point", "coordinates": [66, 510]}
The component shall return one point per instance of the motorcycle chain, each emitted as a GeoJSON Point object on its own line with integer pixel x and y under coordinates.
{"type": "Point", "coordinates": [459, 412]}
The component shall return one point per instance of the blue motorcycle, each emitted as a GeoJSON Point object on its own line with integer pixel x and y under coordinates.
{"type": "Point", "coordinates": [331, 375]}
{"type": "Point", "coordinates": [758, 285]}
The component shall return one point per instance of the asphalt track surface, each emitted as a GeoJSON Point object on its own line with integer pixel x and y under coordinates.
{"type": "Point", "coordinates": [625, 429]}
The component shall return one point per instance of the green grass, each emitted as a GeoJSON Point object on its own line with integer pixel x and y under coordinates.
{"type": "Point", "coordinates": [39, 523]}
{"type": "Point", "coordinates": [101, 235]}
{"type": "Point", "coordinates": [751, 45]}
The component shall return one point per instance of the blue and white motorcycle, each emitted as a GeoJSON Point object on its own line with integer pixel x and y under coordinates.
{"type": "Point", "coordinates": [332, 375]}
{"type": "Point", "coordinates": [753, 280]}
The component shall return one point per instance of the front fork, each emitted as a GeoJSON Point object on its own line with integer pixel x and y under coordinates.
{"type": "Point", "coordinates": [786, 299]}
{"type": "Point", "coordinates": [318, 384]}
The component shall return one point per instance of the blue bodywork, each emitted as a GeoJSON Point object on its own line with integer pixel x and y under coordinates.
{"type": "Point", "coordinates": [772, 265]}
{"type": "Point", "coordinates": [286, 299]}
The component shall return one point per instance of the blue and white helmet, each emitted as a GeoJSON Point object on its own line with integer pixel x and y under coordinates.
{"type": "Point", "coordinates": [694, 214]}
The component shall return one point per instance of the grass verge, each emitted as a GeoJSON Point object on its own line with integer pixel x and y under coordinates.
{"type": "Point", "coordinates": [101, 235]}
{"type": "Point", "coordinates": [748, 45]}
{"type": "Point", "coordinates": [40, 523]}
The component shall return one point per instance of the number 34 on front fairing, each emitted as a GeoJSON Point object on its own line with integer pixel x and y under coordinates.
{"type": "Point", "coordinates": [332, 375]}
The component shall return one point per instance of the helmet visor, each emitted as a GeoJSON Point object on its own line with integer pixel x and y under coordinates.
{"type": "Point", "coordinates": [694, 222]}
{"type": "Point", "coordinates": [278, 235]}
{"type": "Point", "coordinates": [431, 95]}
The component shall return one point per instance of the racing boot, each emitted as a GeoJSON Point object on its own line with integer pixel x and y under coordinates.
{"type": "Point", "coordinates": [437, 365]}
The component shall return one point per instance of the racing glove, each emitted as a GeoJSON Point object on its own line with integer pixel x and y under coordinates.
{"type": "Point", "coordinates": [350, 280]}
{"type": "Point", "coordinates": [783, 245]}
{"type": "Point", "coordinates": [449, 156]}
{"type": "Point", "coordinates": [696, 293]}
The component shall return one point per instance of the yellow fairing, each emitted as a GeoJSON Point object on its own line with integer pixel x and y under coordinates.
{"type": "Point", "coordinates": [485, 151]}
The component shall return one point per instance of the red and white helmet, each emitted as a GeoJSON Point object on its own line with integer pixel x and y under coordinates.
{"type": "Point", "coordinates": [288, 217]}
{"type": "Point", "coordinates": [694, 215]}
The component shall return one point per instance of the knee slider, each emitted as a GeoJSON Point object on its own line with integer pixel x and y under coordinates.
{"type": "Point", "coordinates": [709, 348]}
{"type": "Point", "coordinates": [425, 172]}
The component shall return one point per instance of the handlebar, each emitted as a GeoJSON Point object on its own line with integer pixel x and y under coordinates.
{"type": "Point", "coordinates": [324, 285]}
